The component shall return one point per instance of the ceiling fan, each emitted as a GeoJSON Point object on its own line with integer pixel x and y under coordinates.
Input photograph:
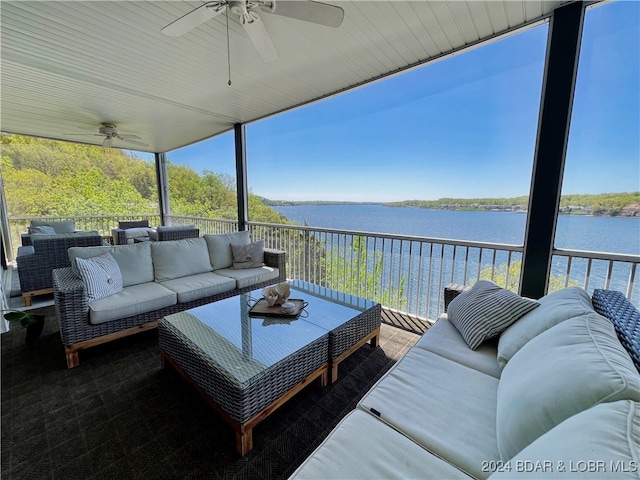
{"type": "Point", "coordinates": [110, 132]}
{"type": "Point", "coordinates": [247, 11]}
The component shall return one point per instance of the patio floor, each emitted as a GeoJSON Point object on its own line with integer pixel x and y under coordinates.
{"type": "Point", "coordinates": [119, 416]}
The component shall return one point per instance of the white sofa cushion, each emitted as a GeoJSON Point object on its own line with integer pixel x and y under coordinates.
{"type": "Point", "coordinates": [249, 276]}
{"type": "Point", "coordinates": [445, 340]}
{"type": "Point", "coordinates": [564, 370]}
{"type": "Point", "coordinates": [134, 261]}
{"type": "Point", "coordinates": [485, 310]}
{"type": "Point", "coordinates": [554, 308]}
{"type": "Point", "coordinates": [219, 247]}
{"type": "Point", "coordinates": [101, 276]}
{"type": "Point", "coordinates": [132, 300]}
{"type": "Point", "coordinates": [362, 447]}
{"type": "Point", "coordinates": [199, 286]}
{"type": "Point", "coordinates": [443, 406]}
{"type": "Point", "coordinates": [600, 442]}
{"type": "Point", "coordinates": [179, 258]}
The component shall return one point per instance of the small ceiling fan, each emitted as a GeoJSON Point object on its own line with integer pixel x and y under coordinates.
{"type": "Point", "coordinates": [247, 11]}
{"type": "Point", "coordinates": [110, 132]}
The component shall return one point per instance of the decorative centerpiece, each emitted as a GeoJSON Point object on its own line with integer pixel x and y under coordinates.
{"type": "Point", "coordinates": [277, 295]}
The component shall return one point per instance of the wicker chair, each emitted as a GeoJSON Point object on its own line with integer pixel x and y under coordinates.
{"type": "Point", "coordinates": [177, 232]}
{"type": "Point", "coordinates": [120, 234]}
{"type": "Point", "coordinates": [48, 252]}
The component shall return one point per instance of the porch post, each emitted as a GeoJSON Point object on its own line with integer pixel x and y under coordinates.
{"type": "Point", "coordinates": [242, 189]}
{"type": "Point", "coordinates": [162, 179]}
{"type": "Point", "coordinates": [563, 48]}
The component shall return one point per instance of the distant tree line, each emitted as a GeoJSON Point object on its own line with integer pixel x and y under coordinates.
{"type": "Point", "coordinates": [598, 204]}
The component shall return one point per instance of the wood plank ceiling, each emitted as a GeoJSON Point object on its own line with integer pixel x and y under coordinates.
{"type": "Point", "coordinates": [69, 66]}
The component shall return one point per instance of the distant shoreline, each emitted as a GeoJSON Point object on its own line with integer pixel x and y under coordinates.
{"type": "Point", "coordinates": [606, 204]}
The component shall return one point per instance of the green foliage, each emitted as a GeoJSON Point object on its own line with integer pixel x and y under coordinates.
{"type": "Point", "coordinates": [47, 177]}
{"type": "Point", "coordinates": [350, 272]}
{"type": "Point", "coordinates": [508, 276]}
{"type": "Point", "coordinates": [25, 318]}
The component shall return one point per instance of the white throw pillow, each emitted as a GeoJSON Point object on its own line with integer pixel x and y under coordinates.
{"type": "Point", "coordinates": [554, 308]}
{"type": "Point", "coordinates": [573, 366]}
{"type": "Point", "coordinates": [485, 310]}
{"type": "Point", "coordinates": [101, 276]}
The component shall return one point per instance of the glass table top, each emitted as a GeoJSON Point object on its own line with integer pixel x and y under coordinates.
{"type": "Point", "coordinates": [246, 345]}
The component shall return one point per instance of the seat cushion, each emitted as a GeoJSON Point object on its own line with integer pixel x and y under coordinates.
{"type": "Point", "coordinates": [219, 247]}
{"type": "Point", "coordinates": [132, 300]}
{"type": "Point", "coordinates": [600, 442]}
{"type": "Point", "coordinates": [445, 340]}
{"type": "Point", "coordinates": [485, 310]}
{"type": "Point", "coordinates": [134, 261]}
{"type": "Point", "coordinates": [249, 276]}
{"type": "Point", "coordinates": [573, 366]}
{"type": "Point", "coordinates": [362, 447]}
{"type": "Point", "coordinates": [199, 286]}
{"type": "Point", "coordinates": [179, 258]}
{"type": "Point", "coordinates": [443, 406]}
{"type": "Point", "coordinates": [554, 308]}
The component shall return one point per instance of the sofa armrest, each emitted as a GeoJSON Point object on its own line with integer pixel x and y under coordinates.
{"type": "Point", "coordinates": [277, 259]}
{"type": "Point", "coordinates": [25, 239]}
{"type": "Point", "coordinates": [72, 305]}
{"type": "Point", "coordinates": [451, 291]}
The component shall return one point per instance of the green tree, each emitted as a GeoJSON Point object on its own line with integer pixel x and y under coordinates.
{"type": "Point", "coordinates": [355, 271]}
{"type": "Point", "coordinates": [508, 276]}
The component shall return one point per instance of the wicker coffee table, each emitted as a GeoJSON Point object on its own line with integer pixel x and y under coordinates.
{"type": "Point", "coordinates": [246, 367]}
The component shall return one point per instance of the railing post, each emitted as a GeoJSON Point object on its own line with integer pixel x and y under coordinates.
{"type": "Point", "coordinates": [563, 48]}
{"type": "Point", "coordinates": [242, 188]}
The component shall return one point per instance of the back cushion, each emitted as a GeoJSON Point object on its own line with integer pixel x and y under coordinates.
{"type": "Point", "coordinates": [134, 260]}
{"type": "Point", "coordinates": [179, 258]}
{"type": "Point", "coordinates": [601, 442]}
{"type": "Point", "coordinates": [220, 247]}
{"type": "Point", "coordinates": [63, 226]}
{"type": "Point", "coordinates": [554, 308]}
{"type": "Point", "coordinates": [573, 366]}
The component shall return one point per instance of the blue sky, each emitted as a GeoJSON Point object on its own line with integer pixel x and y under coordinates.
{"type": "Point", "coordinates": [461, 127]}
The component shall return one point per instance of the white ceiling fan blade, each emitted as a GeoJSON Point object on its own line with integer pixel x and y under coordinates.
{"type": "Point", "coordinates": [129, 140]}
{"type": "Point", "coordinates": [309, 11]}
{"type": "Point", "coordinates": [128, 135]}
{"type": "Point", "coordinates": [107, 142]}
{"type": "Point", "coordinates": [259, 36]}
{"type": "Point", "coordinates": [194, 18]}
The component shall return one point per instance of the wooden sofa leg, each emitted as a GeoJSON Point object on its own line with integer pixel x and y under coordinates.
{"type": "Point", "coordinates": [73, 359]}
{"type": "Point", "coordinates": [26, 298]}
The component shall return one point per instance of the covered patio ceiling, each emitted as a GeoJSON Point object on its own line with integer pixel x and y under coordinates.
{"type": "Point", "coordinates": [69, 66]}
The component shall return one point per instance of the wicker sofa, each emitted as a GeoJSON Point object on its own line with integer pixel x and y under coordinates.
{"type": "Point", "coordinates": [158, 278]}
{"type": "Point", "coordinates": [555, 394]}
{"type": "Point", "coordinates": [57, 226]}
{"type": "Point", "coordinates": [45, 253]}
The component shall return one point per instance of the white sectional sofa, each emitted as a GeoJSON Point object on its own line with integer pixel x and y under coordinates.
{"type": "Point", "coordinates": [554, 394]}
{"type": "Point", "coordinates": [114, 291]}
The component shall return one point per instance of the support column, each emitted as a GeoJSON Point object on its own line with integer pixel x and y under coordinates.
{"type": "Point", "coordinates": [162, 179]}
{"type": "Point", "coordinates": [242, 189]}
{"type": "Point", "coordinates": [563, 48]}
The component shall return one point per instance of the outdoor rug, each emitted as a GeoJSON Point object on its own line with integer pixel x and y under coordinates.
{"type": "Point", "coordinates": [120, 416]}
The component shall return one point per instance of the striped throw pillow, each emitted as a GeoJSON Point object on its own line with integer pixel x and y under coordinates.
{"type": "Point", "coordinates": [485, 310]}
{"type": "Point", "coordinates": [101, 276]}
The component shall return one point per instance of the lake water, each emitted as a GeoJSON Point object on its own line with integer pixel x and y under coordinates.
{"type": "Point", "coordinates": [578, 232]}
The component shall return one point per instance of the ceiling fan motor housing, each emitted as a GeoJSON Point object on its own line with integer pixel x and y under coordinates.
{"type": "Point", "coordinates": [238, 7]}
{"type": "Point", "coordinates": [109, 130]}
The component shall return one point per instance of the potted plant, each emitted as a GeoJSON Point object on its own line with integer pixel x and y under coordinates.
{"type": "Point", "coordinates": [33, 322]}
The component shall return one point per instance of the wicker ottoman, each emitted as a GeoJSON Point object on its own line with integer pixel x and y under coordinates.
{"type": "Point", "coordinates": [351, 321]}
